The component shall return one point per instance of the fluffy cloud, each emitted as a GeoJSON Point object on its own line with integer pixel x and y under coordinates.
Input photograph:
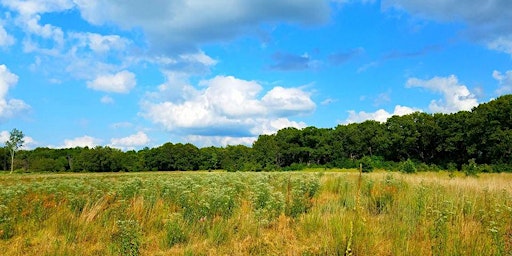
{"type": "Point", "coordinates": [130, 142]}
{"type": "Point", "coordinates": [84, 141]}
{"type": "Point", "coordinates": [288, 101]}
{"type": "Point", "coordinates": [121, 82]}
{"type": "Point", "coordinates": [380, 115]}
{"type": "Point", "coordinates": [457, 97]}
{"type": "Point", "coordinates": [227, 107]}
{"type": "Point", "coordinates": [505, 81]}
{"type": "Point", "coordinates": [488, 21]}
{"type": "Point", "coordinates": [174, 26]}
{"type": "Point", "coordinates": [9, 107]}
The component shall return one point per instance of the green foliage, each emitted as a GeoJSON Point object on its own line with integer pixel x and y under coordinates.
{"type": "Point", "coordinates": [300, 193]}
{"type": "Point", "coordinates": [175, 231]}
{"type": "Point", "coordinates": [127, 239]}
{"type": "Point", "coordinates": [6, 227]}
{"type": "Point", "coordinates": [14, 143]}
{"type": "Point", "coordinates": [408, 166]}
{"type": "Point", "coordinates": [366, 164]}
{"type": "Point", "coordinates": [471, 168]}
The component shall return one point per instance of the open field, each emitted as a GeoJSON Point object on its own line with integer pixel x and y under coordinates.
{"type": "Point", "coordinates": [298, 213]}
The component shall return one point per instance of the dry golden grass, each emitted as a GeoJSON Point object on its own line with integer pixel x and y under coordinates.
{"type": "Point", "coordinates": [386, 214]}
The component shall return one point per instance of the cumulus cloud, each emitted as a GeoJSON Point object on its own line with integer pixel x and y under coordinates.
{"type": "Point", "coordinates": [174, 26]}
{"type": "Point", "coordinates": [130, 142]}
{"type": "Point", "coordinates": [456, 96]}
{"type": "Point", "coordinates": [487, 22]}
{"type": "Point", "coordinates": [505, 81]}
{"type": "Point", "coordinates": [288, 101]}
{"type": "Point", "coordinates": [226, 106]}
{"type": "Point", "coordinates": [9, 107]}
{"type": "Point", "coordinates": [121, 82]}
{"type": "Point", "coordinates": [380, 115]}
{"type": "Point", "coordinates": [84, 141]}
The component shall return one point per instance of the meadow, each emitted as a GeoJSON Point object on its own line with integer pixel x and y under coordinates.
{"type": "Point", "coordinates": [286, 213]}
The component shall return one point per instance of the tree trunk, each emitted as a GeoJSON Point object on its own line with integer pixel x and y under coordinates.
{"type": "Point", "coordinates": [12, 161]}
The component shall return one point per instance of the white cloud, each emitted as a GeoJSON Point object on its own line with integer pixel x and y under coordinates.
{"type": "Point", "coordinates": [130, 142]}
{"type": "Point", "coordinates": [380, 115]}
{"type": "Point", "coordinates": [288, 101]}
{"type": "Point", "coordinates": [206, 141]}
{"type": "Point", "coordinates": [32, 7]}
{"type": "Point", "coordinates": [5, 39]}
{"type": "Point", "coordinates": [225, 106]}
{"type": "Point", "coordinates": [28, 142]}
{"type": "Point", "coordinates": [232, 97]}
{"type": "Point", "coordinates": [505, 81]}
{"type": "Point", "coordinates": [457, 97]}
{"type": "Point", "coordinates": [84, 141]}
{"type": "Point", "coordinates": [271, 126]}
{"type": "Point", "coordinates": [174, 26]}
{"type": "Point", "coordinates": [502, 44]}
{"type": "Point", "coordinates": [4, 137]}
{"type": "Point", "coordinates": [488, 22]}
{"type": "Point", "coordinates": [9, 107]}
{"type": "Point", "coordinates": [99, 43]}
{"type": "Point", "coordinates": [107, 100]}
{"type": "Point", "coordinates": [121, 82]}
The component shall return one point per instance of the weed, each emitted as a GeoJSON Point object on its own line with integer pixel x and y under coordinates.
{"type": "Point", "coordinates": [127, 239]}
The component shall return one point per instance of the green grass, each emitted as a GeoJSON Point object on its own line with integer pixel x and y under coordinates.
{"type": "Point", "coordinates": [295, 213]}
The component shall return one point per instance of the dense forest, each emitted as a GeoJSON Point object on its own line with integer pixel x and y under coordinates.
{"type": "Point", "coordinates": [481, 139]}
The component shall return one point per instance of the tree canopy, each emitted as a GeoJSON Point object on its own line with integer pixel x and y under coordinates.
{"type": "Point", "coordinates": [482, 137]}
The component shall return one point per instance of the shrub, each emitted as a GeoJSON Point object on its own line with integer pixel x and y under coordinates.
{"type": "Point", "coordinates": [470, 169]}
{"type": "Point", "coordinates": [408, 166]}
{"type": "Point", "coordinates": [367, 164]}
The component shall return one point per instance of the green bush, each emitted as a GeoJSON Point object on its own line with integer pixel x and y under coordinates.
{"type": "Point", "coordinates": [367, 164]}
{"type": "Point", "coordinates": [408, 166]}
{"type": "Point", "coordinates": [471, 168]}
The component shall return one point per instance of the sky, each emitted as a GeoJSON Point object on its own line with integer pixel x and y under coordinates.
{"type": "Point", "coordinates": [131, 74]}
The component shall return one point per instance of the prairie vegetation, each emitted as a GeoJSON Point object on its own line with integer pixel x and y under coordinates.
{"type": "Point", "coordinates": [295, 213]}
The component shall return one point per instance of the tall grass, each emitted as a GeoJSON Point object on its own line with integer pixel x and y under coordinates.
{"type": "Point", "coordinates": [201, 213]}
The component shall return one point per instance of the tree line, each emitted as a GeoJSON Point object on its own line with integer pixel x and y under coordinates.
{"type": "Point", "coordinates": [480, 138]}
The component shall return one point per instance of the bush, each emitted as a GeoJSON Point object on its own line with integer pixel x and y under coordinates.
{"type": "Point", "coordinates": [367, 164]}
{"type": "Point", "coordinates": [408, 166]}
{"type": "Point", "coordinates": [471, 168]}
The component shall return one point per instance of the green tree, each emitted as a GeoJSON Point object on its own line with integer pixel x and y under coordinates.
{"type": "Point", "coordinates": [14, 143]}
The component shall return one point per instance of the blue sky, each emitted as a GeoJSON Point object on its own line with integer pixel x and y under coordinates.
{"type": "Point", "coordinates": [130, 74]}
